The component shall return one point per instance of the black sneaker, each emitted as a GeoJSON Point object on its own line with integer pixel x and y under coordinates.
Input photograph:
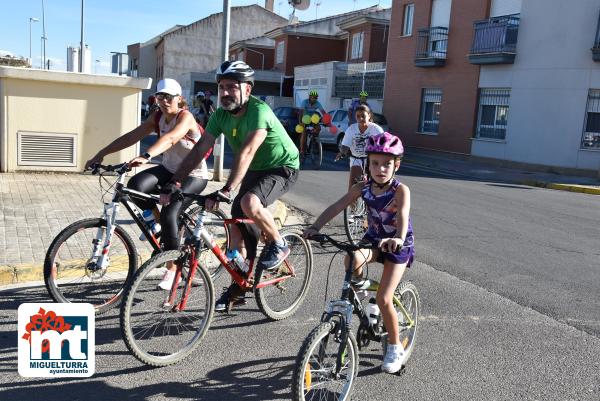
{"type": "Point", "coordinates": [273, 255]}
{"type": "Point", "coordinates": [231, 296]}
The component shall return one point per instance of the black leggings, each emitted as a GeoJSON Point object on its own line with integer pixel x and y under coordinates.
{"type": "Point", "coordinates": [146, 181]}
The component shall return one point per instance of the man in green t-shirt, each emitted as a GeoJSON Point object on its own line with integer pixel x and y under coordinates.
{"type": "Point", "coordinates": [265, 166]}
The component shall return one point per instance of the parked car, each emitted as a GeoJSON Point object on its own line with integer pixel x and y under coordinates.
{"type": "Point", "coordinates": [339, 118]}
{"type": "Point", "coordinates": [288, 116]}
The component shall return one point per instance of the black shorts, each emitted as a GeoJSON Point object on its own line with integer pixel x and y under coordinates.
{"type": "Point", "coordinates": [267, 185]}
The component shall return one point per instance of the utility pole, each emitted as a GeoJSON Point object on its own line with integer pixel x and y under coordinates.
{"type": "Point", "coordinates": [81, 45]}
{"type": "Point", "coordinates": [44, 38]}
{"type": "Point", "coordinates": [31, 19]}
{"type": "Point", "coordinates": [219, 150]}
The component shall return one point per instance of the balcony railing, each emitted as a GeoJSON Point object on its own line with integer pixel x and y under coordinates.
{"type": "Point", "coordinates": [432, 46]}
{"type": "Point", "coordinates": [495, 40]}
{"type": "Point", "coordinates": [596, 48]}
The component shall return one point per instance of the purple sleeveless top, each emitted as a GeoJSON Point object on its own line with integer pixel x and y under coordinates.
{"type": "Point", "coordinates": [381, 214]}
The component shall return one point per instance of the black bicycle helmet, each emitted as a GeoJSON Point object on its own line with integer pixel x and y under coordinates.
{"type": "Point", "coordinates": [236, 70]}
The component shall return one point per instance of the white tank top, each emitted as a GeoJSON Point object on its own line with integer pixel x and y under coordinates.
{"type": "Point", "coordinates": [173, 156]}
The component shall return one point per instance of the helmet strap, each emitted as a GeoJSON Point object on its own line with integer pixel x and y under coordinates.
{"type": "Point", "coordinates": [242, 104]}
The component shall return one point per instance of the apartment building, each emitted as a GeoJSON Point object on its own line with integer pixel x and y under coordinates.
{"type": "Point", "coordinates": [512, 80]}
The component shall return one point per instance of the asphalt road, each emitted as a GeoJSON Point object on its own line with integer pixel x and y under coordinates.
{"type": "Point", "coordinates": [508, 281]}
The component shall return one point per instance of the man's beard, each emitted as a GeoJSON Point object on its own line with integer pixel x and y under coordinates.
{"type": "Point", "coordinates": [229, 103]}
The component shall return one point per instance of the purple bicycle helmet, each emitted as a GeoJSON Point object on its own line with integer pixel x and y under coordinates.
{"type": "Point", "coordinates": [384, 143]}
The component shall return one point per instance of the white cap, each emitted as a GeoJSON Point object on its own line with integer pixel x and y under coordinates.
{"type": "Point", "coordinates": [169, 86]}
{"type": "Point", "coordinates": [200, 94]}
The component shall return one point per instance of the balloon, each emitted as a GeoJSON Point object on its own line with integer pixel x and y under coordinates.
{"type": "Point", "coordinates": [326, 118]}
{"type": "Point", "coordinates": [306, 119]}
{"type": "Point", "coordinates": [333, 130]}
{"type": "Point", "coordinates": [299, 128]}
{"type": "Point", "coordinates": [315, 118]}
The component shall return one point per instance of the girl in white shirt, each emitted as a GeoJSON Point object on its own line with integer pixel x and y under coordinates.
{"type": "Point", "coordinates": [355, 139]}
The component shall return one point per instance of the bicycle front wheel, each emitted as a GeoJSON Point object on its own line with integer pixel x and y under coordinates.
{"type": "Point", "coordinates": [157, 333]}
{"type": "Point", "coordinates": [355, 221]}
{"type": "Point", "coordinates": [314, 376]}
{"type": "Point", "coordinates": [281, 300]}
{"type": "Point", "coordinates": [71, 272]}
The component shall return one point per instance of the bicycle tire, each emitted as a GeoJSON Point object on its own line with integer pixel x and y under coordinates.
{"type": "Point", "coordinates": [316, 150]}
{"type": "Point", "coordinates": [69, 272]}
{"type": "Point", "coordinates": [408, 295]}
{"type": "Point", "coordinates": [273, 300]}
{"type": "Point", "coordinates": [355, 221]}
{"type": "Point", "coordinates": [152, 330]}
{"type": "Point", "coordinates": [310, 368]}
{"type": "Point", "coordinates": [220, 233]}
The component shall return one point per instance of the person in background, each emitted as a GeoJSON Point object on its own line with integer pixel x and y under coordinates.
{"type": "Point", "coordinates": [362, 99]}
{"type": "Point", "coordinates": [309, 107]}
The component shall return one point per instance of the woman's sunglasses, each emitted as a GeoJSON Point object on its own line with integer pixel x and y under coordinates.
{"type": "Point", "coordinates": [165, 96]}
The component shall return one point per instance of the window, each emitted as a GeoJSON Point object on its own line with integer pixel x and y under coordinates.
{"type": "Point", "coordinates": [492, 118]}
{"type": "Point", "coordinates": [339, 116]}
{"type": "Point", "coordinates": [430, 111]}
{"type": "Point", "coordinates": [357, 45]}
{"type": "Point", "coordinates": [591, 132]}
{"type": "Point", "coordinates": [279, 53]}
{"type": "Point", "coordinates": [407, 27]}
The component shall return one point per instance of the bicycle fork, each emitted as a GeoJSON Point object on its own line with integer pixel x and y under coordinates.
{"type": "Point", "coordinates": [101, 248]}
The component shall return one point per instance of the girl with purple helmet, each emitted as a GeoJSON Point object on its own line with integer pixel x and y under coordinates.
{"type": "Point", "coordinates": [389, 238]}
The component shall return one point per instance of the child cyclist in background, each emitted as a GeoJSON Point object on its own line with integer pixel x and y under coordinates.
{"type": "Point", "coordinates": [389, 239]}
{"type": "Point", "coordinates": [355, 140]}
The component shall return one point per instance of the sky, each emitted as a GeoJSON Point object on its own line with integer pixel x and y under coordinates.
{"type": "Point", "coordinates": [111, 25]}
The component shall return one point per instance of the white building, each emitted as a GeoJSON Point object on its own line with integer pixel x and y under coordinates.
{"type": "Point", "coordinates": [543, 109]}
{"type": "Point", "coordinates": [196, 48]}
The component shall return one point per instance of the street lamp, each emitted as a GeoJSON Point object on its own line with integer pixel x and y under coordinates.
{"type": "Point", "coordinates": [31, 19]}
{"type": "Point", "coordinates": [96, 67]}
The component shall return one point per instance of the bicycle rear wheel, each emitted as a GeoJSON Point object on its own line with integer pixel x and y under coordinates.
{"type": "Point", "coordinates": [407, 294]}
{"type": "Point", "coordinates": [314, 371]}
{"type": "Point", "coordinates": [153, 331]}
{"type": "Point", "coordinates": [355, 221]}
{"type": "Point", "coordinates": [284, 298]}
{"type": "Point", "coordinates": [70, 270]}
{"type": "Point", "coordinates": [216, 227]}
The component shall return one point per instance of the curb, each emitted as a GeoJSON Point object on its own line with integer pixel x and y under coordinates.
{"type": "Point", "coordinates": [19, 273]}
{"type": "Point", "coordinates": [563, 187]}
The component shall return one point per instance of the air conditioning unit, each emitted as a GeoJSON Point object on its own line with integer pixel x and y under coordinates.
{"type": "Point", "coordinates": [46, 149]}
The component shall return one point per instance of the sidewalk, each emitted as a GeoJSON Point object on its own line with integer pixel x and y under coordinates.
{"type": "Point", "coordinates": [35, 207]}
{"type": "Point", "coordinates": [474, 168]}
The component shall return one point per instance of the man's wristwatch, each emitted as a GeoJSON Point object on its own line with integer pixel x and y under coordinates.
{"type": "Point", "coordinates": [147, 156]}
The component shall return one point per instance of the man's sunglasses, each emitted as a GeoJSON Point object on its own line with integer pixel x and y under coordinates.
{"type": "Point", "coordinates": [165, 96]}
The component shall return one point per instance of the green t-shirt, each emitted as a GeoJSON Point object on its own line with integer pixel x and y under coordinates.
{"type": "Point", "coordinates": [277, 150]}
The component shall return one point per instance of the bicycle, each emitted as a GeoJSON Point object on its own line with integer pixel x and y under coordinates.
{"type": "Point", "coordinates": [355, 214]}
{"type": "Point", "coordinates": [314, 147]}
{"type": "Point", "coordinates": [161, 328]}
{"type": "Point", "coordinates": [92, 259]}
{"type": "Point", "coordinates": [327, 363]}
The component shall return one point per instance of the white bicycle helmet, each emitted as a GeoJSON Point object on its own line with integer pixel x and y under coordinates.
{"type": "Point", "coordinates": [236, 70]}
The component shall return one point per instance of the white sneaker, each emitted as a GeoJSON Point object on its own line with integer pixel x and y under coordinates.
{"type": "Point", "coordinates": [167, 280]}
{"type": "Point", "coordinates": [394, 358]}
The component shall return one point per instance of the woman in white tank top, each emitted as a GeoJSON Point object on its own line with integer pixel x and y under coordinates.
{"type": "Point", "coordinates": [177, 133]}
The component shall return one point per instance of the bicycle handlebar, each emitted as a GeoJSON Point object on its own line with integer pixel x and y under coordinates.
{"type": "Point", "coordinates": [98, 168]}
{"type": "Point", "coordinates": [322, 238]}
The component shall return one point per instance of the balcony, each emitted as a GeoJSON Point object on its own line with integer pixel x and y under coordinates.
{"type": "Point", "coordinates": [495, 40]}
{"type": "Point", "coordinates": [596, 48]}
{"type": "Point", "coordinates": [432, 46]}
